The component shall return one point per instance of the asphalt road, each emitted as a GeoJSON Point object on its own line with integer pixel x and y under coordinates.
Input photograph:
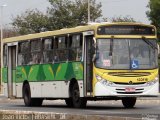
{"type": "Point", "coordinates": [148, 108]}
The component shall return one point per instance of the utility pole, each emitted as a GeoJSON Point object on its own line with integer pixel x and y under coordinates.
{"type": "Point", "coordinates": [89, 14]}
{"type": "Point", "coordinates": [1, 37]}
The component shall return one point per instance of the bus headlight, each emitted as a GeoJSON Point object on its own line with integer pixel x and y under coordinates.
{"type": "Point", "coordinates": [152, 82]}
{"type": "Point", "coordinates": [104, 81]}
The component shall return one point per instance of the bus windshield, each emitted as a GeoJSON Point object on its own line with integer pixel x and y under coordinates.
{"type": "Point", "coordinates": [126, 54]}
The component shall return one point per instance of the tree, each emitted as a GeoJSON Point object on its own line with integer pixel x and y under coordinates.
{"type": "Point", "coordinates": [32, 21]}
{"type": "Point", "coordinates": [9, 32]}
{"type": "Point", "coordinates": [120, 19]}
{"type": "Point", "coordinates": [61, 14]}
{"type": "Point", "coordinates": [154, 13]}
{"type": "Point", "coordinates": [72, 13]}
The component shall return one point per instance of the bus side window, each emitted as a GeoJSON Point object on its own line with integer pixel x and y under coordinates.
{"type": "Point", "coordinates": [24, 53]}
{"type": "Point", "coordinates": [36, 46]}
{"type": "Point", "coordinates": [47, 50]}
{"type": "Point", "coordinates": [62, 49]}
{"type": "Point", "coordinates": [75, 45]}
{"type": "Point", "coordinates": [61, 43]}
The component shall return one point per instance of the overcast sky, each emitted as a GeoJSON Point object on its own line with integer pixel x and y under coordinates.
{"type": "Point", "coordinates": [111, 8]}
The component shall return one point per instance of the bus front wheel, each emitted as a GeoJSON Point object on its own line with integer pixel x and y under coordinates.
{"type": "Point", "coordinates": [78, 102]}
{"type": "Point", "coordinates": [129, 102]}
{"type": "Point", "coordinates": [27, 97]}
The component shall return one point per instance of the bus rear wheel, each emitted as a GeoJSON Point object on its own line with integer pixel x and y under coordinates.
{"type": "Point", "coordinates": [27, 97]}
{"type": "Point", "coordinates": [77, 101]}
{"type": "Point", "coordinates": [129, 102]}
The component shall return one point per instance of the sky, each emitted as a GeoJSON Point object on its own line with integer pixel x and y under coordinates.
{"type": "Point", "coordinates": [110, 8]}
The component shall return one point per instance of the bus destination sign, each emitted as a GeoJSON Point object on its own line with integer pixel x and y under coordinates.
{"type": "Point", "coordinates": [125, 30]}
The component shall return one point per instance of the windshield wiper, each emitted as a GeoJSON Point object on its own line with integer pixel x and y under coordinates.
{"type": "Point", "coordinates": [149, 43]}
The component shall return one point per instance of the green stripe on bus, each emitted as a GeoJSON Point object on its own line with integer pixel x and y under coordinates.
{"type": "Point", "coordinates": [47, 72]}
{"type": "Point", "coordinates": [4, 75]}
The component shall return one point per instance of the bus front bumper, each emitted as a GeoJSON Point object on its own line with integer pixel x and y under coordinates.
{"type": "Point", "coordinates": [126, 90]}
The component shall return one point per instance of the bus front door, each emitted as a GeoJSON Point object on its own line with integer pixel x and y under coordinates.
{"type": "Point", "coordinates": [11, 71]}
{"type": "Point", "coordinates": [88, 65]}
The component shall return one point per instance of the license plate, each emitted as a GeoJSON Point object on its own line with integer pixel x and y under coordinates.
{"type": "Point", "coordinates": [130, 89]}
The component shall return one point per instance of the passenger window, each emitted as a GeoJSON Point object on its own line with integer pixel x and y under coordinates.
{"type": "Point", "coordinates": [75, 41]}
{"type": "Point", "coordinates": [36, 56]}
{"type": "Point", "coordinates": [75, 47]}
{"type": "Point", "coordinates": [24, 47]}
{"type": "Point", "coordinates": [36, 45]}
{"type": "Point", "coordinates": [24, 53]}
{"type": "Point", "coordinates": [62, 43]}
{"type": "Point", "coordinates": [48, 52]}
{"type": "Point", "coordinates": [48, 44]}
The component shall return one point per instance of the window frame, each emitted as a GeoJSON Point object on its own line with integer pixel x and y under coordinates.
{"type": "Point", "coordinates": [75, 48]}
{"type": "Point", "coordinates": [20, 52]}
{"type": "Point", "coordinates": [47, 50]}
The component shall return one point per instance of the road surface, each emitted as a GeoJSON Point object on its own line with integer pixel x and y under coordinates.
{"type": "Point", "coordinates": [144, 108]}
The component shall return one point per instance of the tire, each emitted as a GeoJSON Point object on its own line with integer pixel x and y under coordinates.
{"type": "Point", "coordinates": [37, 102]}
{"type": "Point", "coordinates": [77, 101]}
{"type": "Point", "coordinates": [27, 97]}
{"type": "Point", "coordinates": [69, 102]}
{"type": "Point", "coordinates": [129, 102]}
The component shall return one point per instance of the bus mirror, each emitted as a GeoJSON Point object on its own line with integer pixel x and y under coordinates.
{"type": "Point", "coordinates": [95, 57]}
{"type": "Point", "coordinates": [94, 42]}
{"type": "Point", "coordinates": [158, 49]}
{"type": "Point", "coordinates": [94, 39]}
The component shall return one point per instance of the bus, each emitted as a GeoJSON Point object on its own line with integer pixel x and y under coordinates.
{"type": "Point", "coordinates": [100, 61]}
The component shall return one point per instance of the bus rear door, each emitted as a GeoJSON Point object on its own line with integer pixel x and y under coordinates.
{"type": "Point", "coordinates": [12, 50]}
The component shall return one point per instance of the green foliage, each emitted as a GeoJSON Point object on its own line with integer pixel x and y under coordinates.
{"type": "Point", "coordinates": [61, 14]}
{"type": "Point", "coordinates": [69, 13]}
{"type": "Point", "coordinates": [122, 19]}
{"type": "Point", "coordinates": [154, 13]}
{"type": "Point", "coordinates": [32, 21]}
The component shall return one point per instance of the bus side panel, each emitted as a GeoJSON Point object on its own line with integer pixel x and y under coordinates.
{"type": "Point", "coordinates": [50, 80]}
{"type": "Point", "coordinates": [5, 80]}
{"type": "Point", "coordinates": [19, 90]}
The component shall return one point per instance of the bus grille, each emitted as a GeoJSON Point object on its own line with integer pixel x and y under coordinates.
{"type": "Point", "coordinates": [129, 74]}
{"type": "Point", "coordinates": [123, 83]}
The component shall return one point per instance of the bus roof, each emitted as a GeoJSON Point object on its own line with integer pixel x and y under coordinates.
{"type": "Point", "coordinates": [88, 27]}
